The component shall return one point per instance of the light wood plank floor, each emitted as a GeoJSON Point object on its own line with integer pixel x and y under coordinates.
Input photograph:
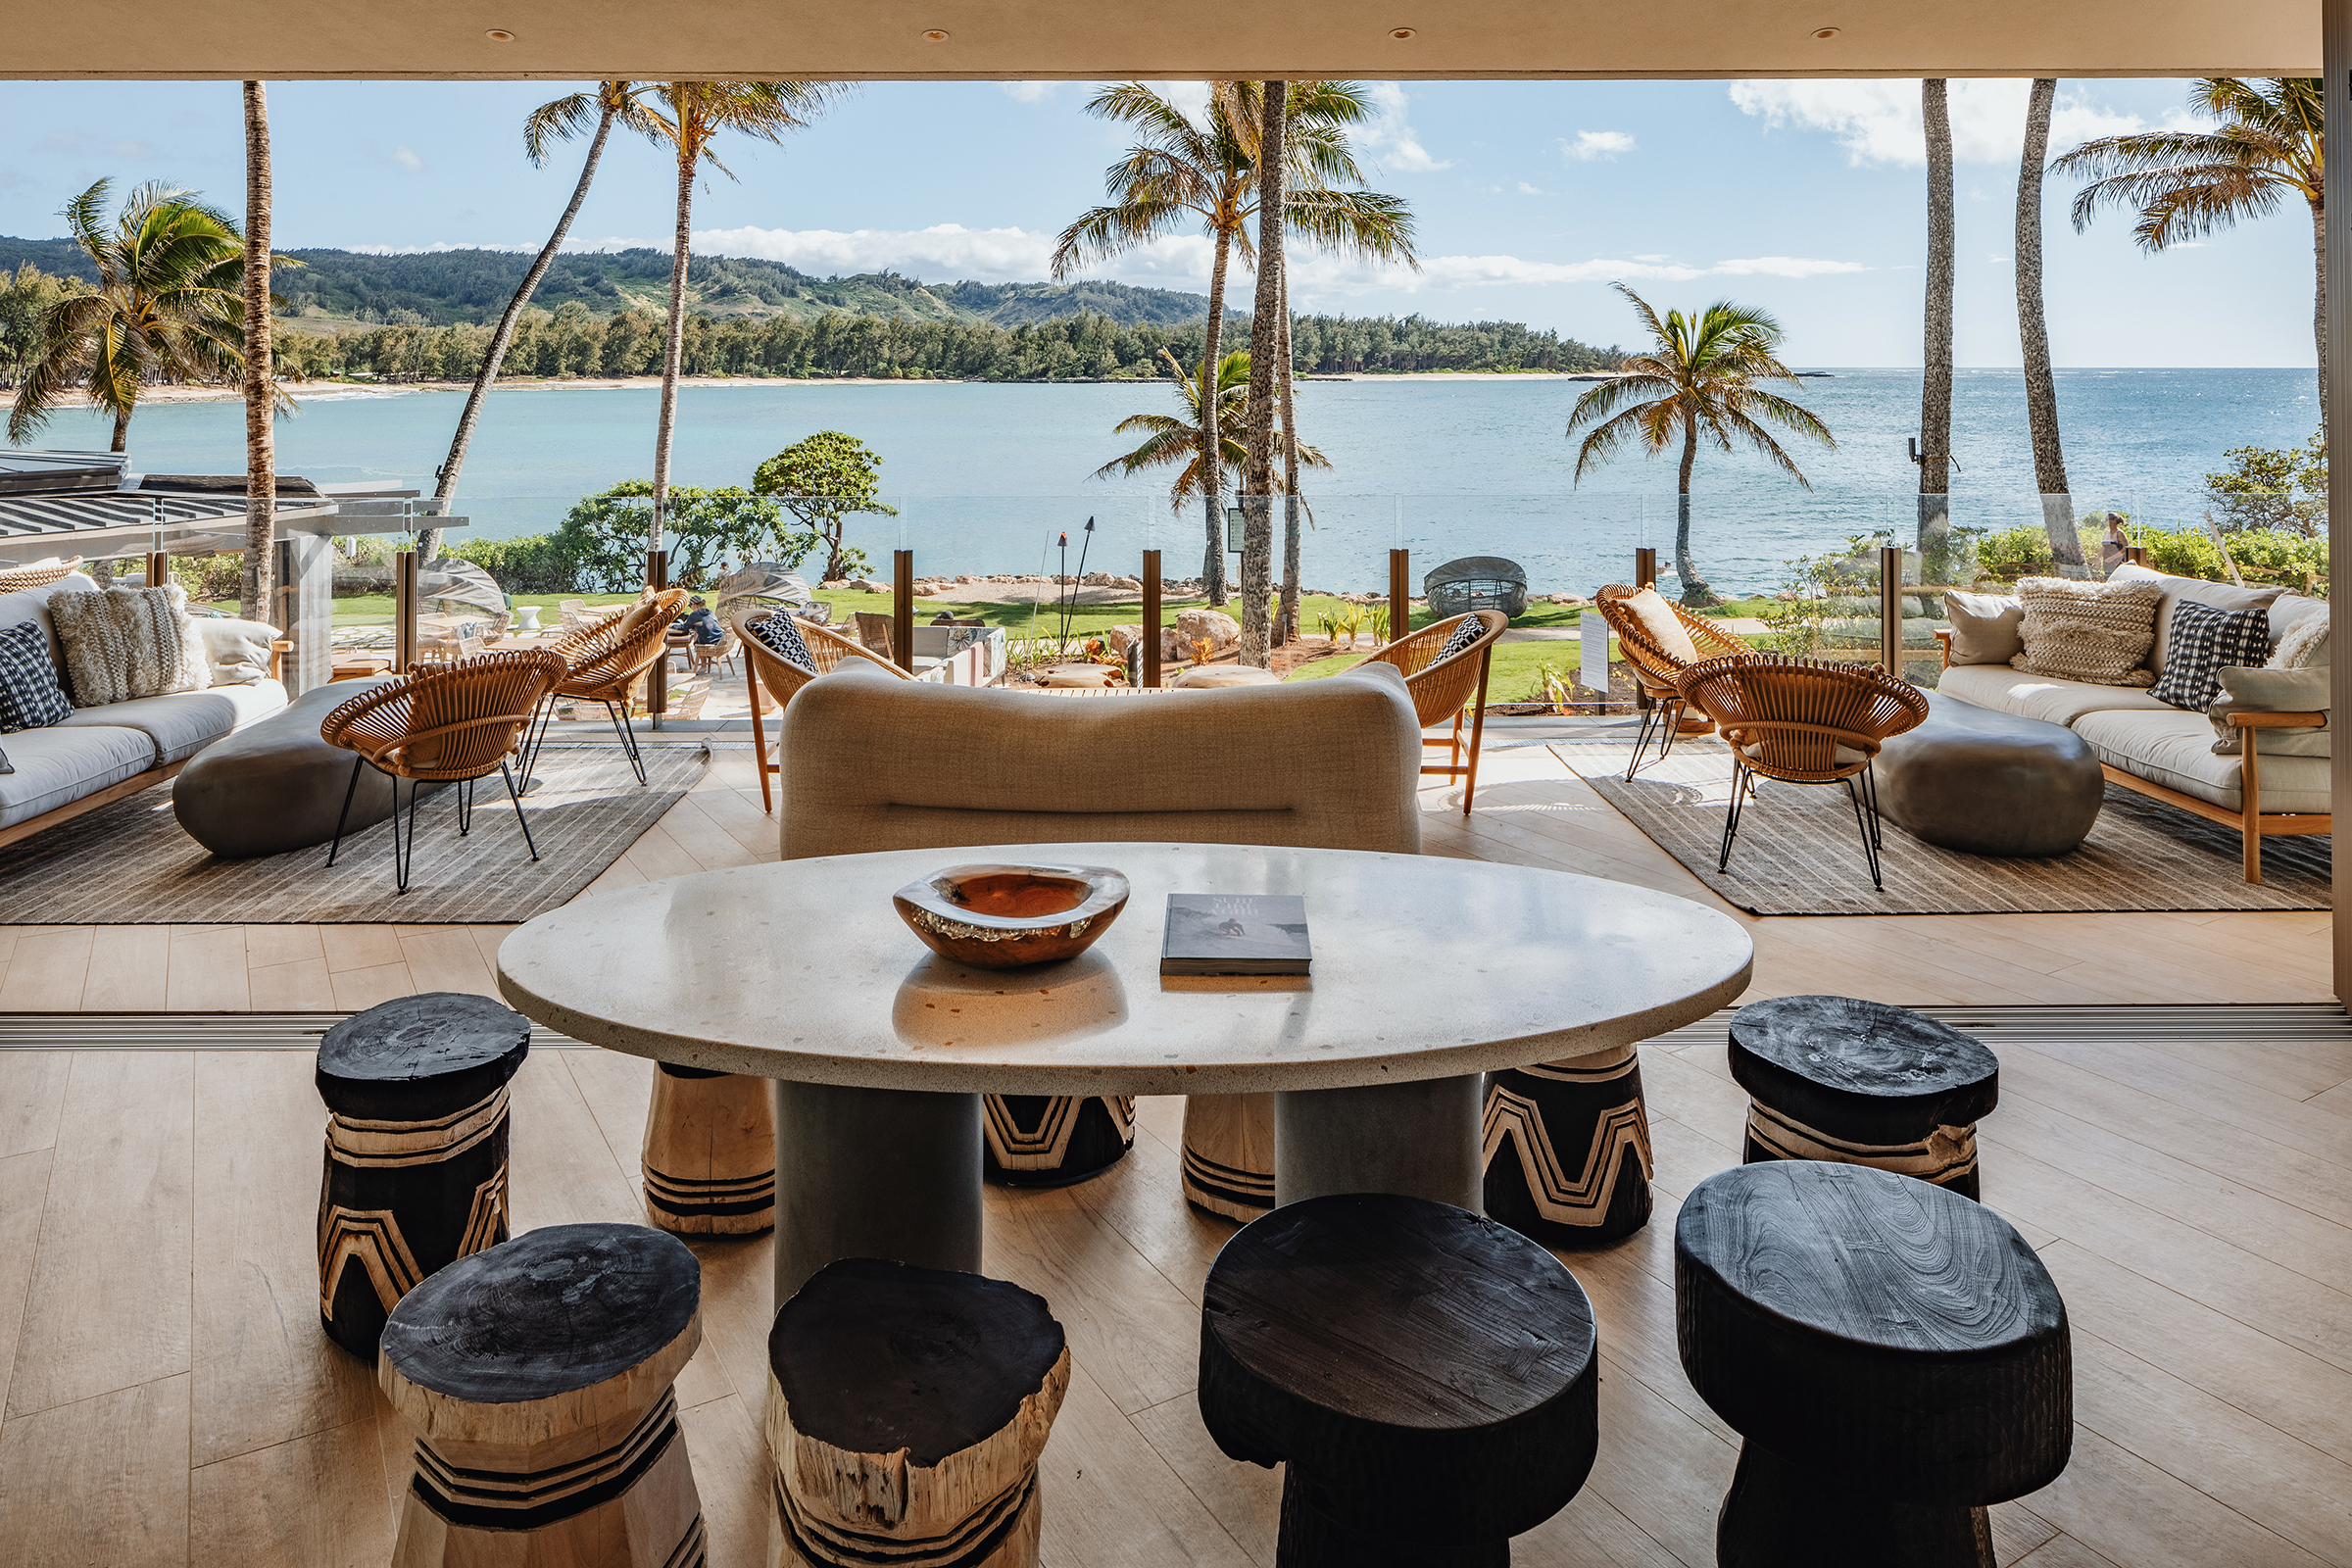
{"type": "Point", "coordinates": [166, 1396]}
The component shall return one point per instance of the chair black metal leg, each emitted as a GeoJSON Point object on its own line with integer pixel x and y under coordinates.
{"type": "Point", "coordinates": [628, 736]}
{"type": "Point", "coordinates": [1649, 719]}
{"type": "Point", "coordinates": [1670, 718]}
{"type": "Point", "coordinates": [515, 795]}
{"type": "Point", "coordinates": [535, 736]}
{"type": "Point", "coordinates": [403, 842]}
{"type": "Point", "coordinates": [1731, 815]}
{"type": "Point", "coordinates": [465, 807]}
{"type": "Point", "coordinates": [1867, 827]}
{"type": "Point", "coordinates": [344, 815]}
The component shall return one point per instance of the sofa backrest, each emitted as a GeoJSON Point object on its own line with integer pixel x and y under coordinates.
{"type": "Point", "coordinates": [32, 604]}
{"type": "Point", "coordinates": [873, 763]}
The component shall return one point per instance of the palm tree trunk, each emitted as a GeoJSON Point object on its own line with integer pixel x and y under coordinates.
{"type": "Point", "coordinates": [122, 431]}
{"type": "Point", "coordinates": [428, 541]}
{"type": "Point", "coordinates": [1936, 386]}
{"type": "Point", "coordinates": [2042, 389]}
{"type": "Point", "coordinates": [1286, 618]}
{"type": "Point", "coordinates": [673, 342]}
{"type": "Point", "coordinates": [1257, 538]}
{"type": "Point", "coordinates": [1695, 593]}
{"type": "Point", "coordinates": [261, 441]}
{"type": "Point", "coordinates": [1212, 471]}
{"type": "Point", "coordinates": [2319, 299]}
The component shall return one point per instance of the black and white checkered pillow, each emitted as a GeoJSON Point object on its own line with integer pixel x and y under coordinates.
{"type": "Point", "coordinates": [30, 696]}
{"type": "Point", "coordinates": [1462, 636]}
{"type": "Point", "coordinates": [2206, 641]}
{"type": "Point", "coordinates": [780, 637]}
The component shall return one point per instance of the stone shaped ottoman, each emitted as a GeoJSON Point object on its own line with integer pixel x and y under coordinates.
{"type": "Point", "coordinates": [1990, 783]}
{"type": "Point", "coordinates": [275, 786]}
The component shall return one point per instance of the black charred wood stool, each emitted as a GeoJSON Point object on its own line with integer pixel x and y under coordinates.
{"type": "Point", "coordinates": [1055, 1140]}
{"type": "Point", "coordinates": [907, 1408]}
{"type": "Point", "coordinates": [416, 1092]}
{"type": "Point", "coordinates": [1228, 1165]}
{"type": "Point", "coordinates": [1426, 1376]}
{"type": "Point", "coordinates": [1567, 1149]}
{"type": "Point", "coordinates": [709, 1155]}
{"type": "Point", "coordinates": [1861, 1083]}
{"type": "Point", "coordinates": [536, 1377]}
{"type": "Point", "coordinates": [1894, 1356]}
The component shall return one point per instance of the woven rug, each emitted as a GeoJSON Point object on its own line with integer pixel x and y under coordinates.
{"type": "Point", "coordinates": [1799, 852]}
{"type": "Point", "coordinates": [130, 863]}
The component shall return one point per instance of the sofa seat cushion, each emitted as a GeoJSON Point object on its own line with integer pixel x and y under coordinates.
{"type": "Point", "coordinates": [61, 763]}
{"type": "Point", "coordinates": [2045, 696]}
{"type": "Point", "coordinates": [2176, 749]}
{"type": "Point", "coordinates": [182, 724]}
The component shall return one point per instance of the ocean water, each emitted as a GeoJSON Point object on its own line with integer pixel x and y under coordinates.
{"type": "Point", "coordinates": [986, 477]}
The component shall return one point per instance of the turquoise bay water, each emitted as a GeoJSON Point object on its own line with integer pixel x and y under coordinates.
{"type": "Point", "coordinates": [986, 475]}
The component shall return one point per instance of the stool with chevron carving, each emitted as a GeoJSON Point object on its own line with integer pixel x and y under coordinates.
{"type": "Point", "coordinates": [1861, 1083]}
{"type": "Point", "coordinates": [1567, 1149]}
{"type": "Point", "coordinates": [1054, 1140]}
{"type": "Point", "coordinates": [416, 1092]}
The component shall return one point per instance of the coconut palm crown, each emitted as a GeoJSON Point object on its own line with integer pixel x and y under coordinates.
{"type": "Point", "coordinates": [1174, 439]}
{"type": "Point", "coordinates": [1696, 383]}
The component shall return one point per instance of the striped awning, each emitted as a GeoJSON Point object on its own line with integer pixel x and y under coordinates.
{"type": "Point", "coordinates": [62, 502]}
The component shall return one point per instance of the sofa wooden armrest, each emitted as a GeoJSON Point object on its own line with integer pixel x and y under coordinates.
{"type": "Point", "coordinates": [2251, 826]}
{"type": "Point", "coordinates": [1944, 644]}
{"type": "Point", "coordinates": [279, 648]}
{"type": "Point", "coordinates": [2277, 721]}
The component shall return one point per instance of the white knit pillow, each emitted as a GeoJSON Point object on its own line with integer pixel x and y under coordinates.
{"type": "Point", "coordinates": [122, 643]}
{"type": "Point", "coordinates": [2087, 631]}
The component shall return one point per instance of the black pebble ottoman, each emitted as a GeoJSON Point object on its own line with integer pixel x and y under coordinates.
{"type": "Point", "coordinates": [1567, 1149]}
{"type": "Point", "coordinates": [1990, 783]}
{"type": "Point", "coordinates": [1895, 1358]}
{"type": "Point", "coordinates": [1055, 1140]}
{"type": "Point", "coordinates": [1426, 1376]}
{"type": "Point", "coordinates": [1862, 1082]}
{"type": "Point", "coordinates": [275, 786]}
{"type": "Point", "coordinates": [416, 1092]}
{"type": "Point", "coordinates": [536, 1377]}
{"type": "Point", "coordinates": [907, 1408]}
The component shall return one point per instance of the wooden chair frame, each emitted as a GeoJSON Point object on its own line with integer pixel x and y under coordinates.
{"type": "Point", "coordinates": [784, 680]}
{"type": "Point", "coordinates": [1657, 671]}
{"type": "Point", "coordinates": [1442, 688]}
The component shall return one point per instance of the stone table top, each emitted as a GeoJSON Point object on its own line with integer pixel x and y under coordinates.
{"type": "Point", "coordinates": [1424, 967]}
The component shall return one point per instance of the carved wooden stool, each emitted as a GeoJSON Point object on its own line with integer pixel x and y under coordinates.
{"type": "Point", "coordinates": [1567, 1149]}
{"type": "Point", "coordinates": [906, 1410]}
{"type": "Point", "coordinates": [1055, 1140]}
{"type": "Point", "coordinates": [536, 1377]}
{"type": "Point", "coordinates": [1861, 1083]}
{"type": "Point", "coordinates": [1427, 1378]}
{"type": "Point", "coordinates": [1229, 1153]}
{"type": "Point", "coordinates": [1895, 1357]}
{"type": "Point", "coordinates": [709, 1158]}
{"type": "Point", "coordinates": [416, 1092]}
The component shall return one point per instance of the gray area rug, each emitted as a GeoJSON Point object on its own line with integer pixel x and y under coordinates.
{"type": "Point", "coordinates": [1799, 852]}
{"type": "Point", "coordinates": [130, 863]}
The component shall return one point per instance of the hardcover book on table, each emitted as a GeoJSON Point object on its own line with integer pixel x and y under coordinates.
{"type": "Point", "coordinates": [1236, 933]}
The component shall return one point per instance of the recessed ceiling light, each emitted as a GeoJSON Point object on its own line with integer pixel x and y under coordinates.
{"type": "Point", "coordinates": [1400, 33]}
{"type": "Point", "coordinates": [934, 35]}
{"type": "Point", "coordinates": [1824, 35]}
{"type": "Point", "coordinates": [499, 35]}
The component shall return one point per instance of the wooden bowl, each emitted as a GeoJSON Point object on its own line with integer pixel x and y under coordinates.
{"type": "Point", "coordinates": [1006, 916]}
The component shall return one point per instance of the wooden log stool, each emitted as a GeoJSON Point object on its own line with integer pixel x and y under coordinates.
{"type": "Point", "coordinates": [710, 1156]}
{"type": "Point", "coordinates": [1894, 1356]}
{"type": "Point", "coordinates": [1055, 1140]}
{"type": "Point", "coordinates": [416, 1092]}
{"type": "Point", "coordinates": [1861, 1083]}
{"type": "Point", "coordinates": [906, 1410]}
{"type": "Point", "coordinates": [536, 1377]}
{"type": "Point", "coordinates": [1426, 1376]}
{"type": "Point", "coordinates": [1228, 1166]}
{"type": "Point", "coordinates": [1567, 1149]}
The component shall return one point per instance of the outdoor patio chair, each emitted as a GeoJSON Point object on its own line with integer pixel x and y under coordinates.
{"type": "Point", "coordinates": [602, 662]}
{"type": "Point", "coordinates": [454, 723]}
{"type": "Point", "coordinates": [39, 574]}
{"type": "Point", "coordinates": [783, 679]}
{"type": "Point", "coordinates": [708, 657]}
{"type": "Point", "coordinates": [874, 631]}
{"type": "Point", "coordinates": [1442, 687]}
{"type": "Point", "coordinates": [1803, 723]}
{"type": "Point", "coordinates": [1647, 634]}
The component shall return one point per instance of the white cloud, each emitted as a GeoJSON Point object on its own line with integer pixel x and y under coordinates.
{"type": "Point", "coordinates": [1028, 92]}
{"type": "Point", "coordinates": [1391, 135]}
{"type": "Point", "coordinates": [1590, 145]}
{"type": "Point", "coordinates": [1190, 97]}
{"type": "Point", "coordinates": [1878, 121]}
{"type": "Point", "coordinates": [408, 160]}
{"type": "Point", "coordinates": [1525, 189]}
{"type": "Point", "coordinates": [1785, 267]}
{"type": "Point", "coordinates": [1653, 258]}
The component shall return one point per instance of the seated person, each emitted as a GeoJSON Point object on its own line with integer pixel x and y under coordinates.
{"type": "Point", "coordinates": [703, 625]}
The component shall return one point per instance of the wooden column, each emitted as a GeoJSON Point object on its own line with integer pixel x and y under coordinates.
{"type": "Point", "coordinates": [159, 567]}
{"type": "Point", "coordinates": [404, 611]}
{"type": "Point", "coordinates": [1891, 608]}
{"type": "Point", "coordinates": [656, 679]}
{"type": "Point", "coordinates": [901, 608]}
{"type": "Point", "coordinates": [2336, 79]}
{"type": "Point", "coordinates": [1400, 593]}
{"type": "Point", "coordinates": [1150, 617]}
{"type": "Point", "coordinates": [1646, 568]}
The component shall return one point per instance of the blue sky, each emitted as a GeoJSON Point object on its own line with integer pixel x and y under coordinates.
{"type": "Point", "coordinates": [1803, 197]}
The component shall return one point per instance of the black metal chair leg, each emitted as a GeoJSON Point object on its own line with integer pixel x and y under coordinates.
{"type": "Point", "coordinates": [404, 844]}
{"type": "Point", "coordinates": [1671, 720]}
{"type": "Point", "coordinates": [1731, 815]}
{"type": "Point", "coordinates": [465, 807]}
{"type": "Point", "coordinates": [515, 795]}
{"type": "Point", "coordinates": [629, 737]}
{"type": "Point", "coordinates": [344, 815]}
{"type": "Point", "coordinates": [535, 736]}
{"type": "Point", "coordinates": [1649, 719]}
{"type": "Point", "coordinates": [1869, 831]}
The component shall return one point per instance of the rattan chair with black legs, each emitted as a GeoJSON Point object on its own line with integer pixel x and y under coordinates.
{"type": "Point", "coordinates": [1802, 722]}
{"type": "Point", "coordinates": [602, 662]}
{"type": "Point", "coordinates": [1660, 640]}
{"type": "Point", "coordinates": [448, 724]}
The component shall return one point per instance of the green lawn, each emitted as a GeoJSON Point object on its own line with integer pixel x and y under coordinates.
{"type": "Point", "coordinates": [1515, 677]}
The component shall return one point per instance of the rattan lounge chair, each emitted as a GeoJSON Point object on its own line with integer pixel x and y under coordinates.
{"type": "Point", "coordinates": [602, 660]}
{"type": "Point", "coordinates": [763, 665]}
{"type": "Point", "coordinates": [1442, 688]}
{"type": "Point", "coordinates": [15, 579]}
{"type": "Point", "coordinates": [1803, 723]}
{"type": "Point", "coordinates": [1658, 667]}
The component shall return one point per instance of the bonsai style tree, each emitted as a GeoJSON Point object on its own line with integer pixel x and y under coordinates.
{"type": "Point", "coordinates": [824, 481]}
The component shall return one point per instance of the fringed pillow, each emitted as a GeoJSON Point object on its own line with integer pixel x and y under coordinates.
{"type": "Point", "coordinates": [2097, 633]}
{"type": "Point", "coordinates": [122, 643]}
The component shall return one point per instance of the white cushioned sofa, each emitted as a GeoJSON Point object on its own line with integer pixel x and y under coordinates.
{"type": "Point", "coordinates": [98, 755]}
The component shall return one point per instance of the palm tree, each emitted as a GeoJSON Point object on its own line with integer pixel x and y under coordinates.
{"type": "Point", "coordinates": [1174, 440]}
{"type": "Point", "coordinates": [1700, 381]}
{"type": "Point", "coordinates": [2190, 183]}
{"type": "Point", "coordinates": [1936, 385]}
{"type": "Point", "coordinates": [2034, 333]}
{"type": "Point", "coordinates": [549, 123]}
{"type": "Point", "coordinates": [167, 307]}
{"type": "Point", "coordinates": [260, 386]}
{"type": "Point", "coordinates": [1265, 350]}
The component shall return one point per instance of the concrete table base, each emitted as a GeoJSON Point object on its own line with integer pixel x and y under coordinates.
{"type": "Point", "coordinates": [889, 1173]}
{"type": "Point", "coordinates": [1416, 1139]}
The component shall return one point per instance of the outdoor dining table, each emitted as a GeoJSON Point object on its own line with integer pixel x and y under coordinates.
{"type": "Point", "coordinates": [1427, 973]}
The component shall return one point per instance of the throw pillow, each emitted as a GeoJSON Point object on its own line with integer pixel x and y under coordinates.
{"type": "Point", "coordinates": [2304, 646]}
{"type": "Point", "coordinates": [236, 652]}
{"type": "Point", "coordinates": [2206, 641]}
{"type": "Point", "coordinates": [1984, 627]}
{"type": "Point", "coordinates": [1469, 631]}
{"type": "Point", "coordinates": [780, 636]}
{"type": "Point", "coordinates": [2272, 691]}
{"type": "Point", "coordinates": [2289, 612]}
{"type": "Point", "coordinates": [1665, 628]}
{"type": "Point", "coordinates": [128, 642]}
{"type": "Point", "coordinates": [30, 696]}
{"type": "Point", "coordinates": [2092, 633]}
{"type": "Point", "coordinates": [2220, 595]}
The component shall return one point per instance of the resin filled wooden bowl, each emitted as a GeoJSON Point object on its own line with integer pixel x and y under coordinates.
{"type": "Point", "coordinates": [1005, 916]}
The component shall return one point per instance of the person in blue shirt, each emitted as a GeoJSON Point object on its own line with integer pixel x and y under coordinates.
{"type": "Point", "coordinates": [703, 625]}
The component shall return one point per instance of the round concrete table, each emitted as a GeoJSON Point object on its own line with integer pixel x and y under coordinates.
{"type": "Point", "coordinates": [1428, 972]}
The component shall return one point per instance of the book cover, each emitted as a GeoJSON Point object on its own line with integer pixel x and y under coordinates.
{"type": "Point", "coordinates": [1236, 933]}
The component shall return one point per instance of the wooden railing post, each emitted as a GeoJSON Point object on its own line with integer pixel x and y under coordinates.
{"type": "Point", "coordinates": [1891, 608]}
{"type": "Point", "coordinates": [404, 611]}
{"type": "Point", "coordinates": [158, 568]}
{"type": "Point", "coordinates": [901, 608]}
{"type": "Point", "coordinates": [2136, 555]}
{"type": "Point", "coordinates": [656, 679]}
{"type": "Point", "coordinates": [1400, 593]}
{"type": "Point", "coordinates": [1150, 617]}
{"type": "Point", "coordinates": [1646, 568]}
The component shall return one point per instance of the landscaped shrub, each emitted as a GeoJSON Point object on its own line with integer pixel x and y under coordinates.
{"type": "Point", "coordinates": [2025, 551]}
{"type": "Point", "coordinates": [536, 564]}
{"type": "Point", "coordinates": [605, 536]}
